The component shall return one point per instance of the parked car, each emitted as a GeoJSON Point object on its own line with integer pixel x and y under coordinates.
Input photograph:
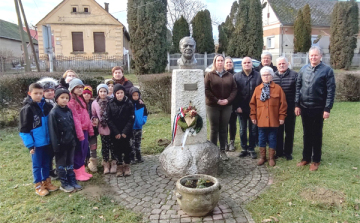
{"type": "Point", "coordinates": [237, 65]}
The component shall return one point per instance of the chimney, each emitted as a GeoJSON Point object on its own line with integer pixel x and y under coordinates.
{"type": "Point", "coordinates": [106, 6]}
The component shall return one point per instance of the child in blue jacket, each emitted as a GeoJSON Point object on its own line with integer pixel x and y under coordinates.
{"type": "Point", "coordinates": [34, 132]}
{"type": "Point", "coordinates": [140, 119]}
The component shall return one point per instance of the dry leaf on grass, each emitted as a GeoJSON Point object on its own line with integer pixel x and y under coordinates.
{"type": "Point", "coordinates": [354, 168]}
{"type": "Point", "coordinates": [266, 220]}
{"type": "Point", "coordinates": [275, 219]}
{"type": "Point", "coordinates": [95, 208]}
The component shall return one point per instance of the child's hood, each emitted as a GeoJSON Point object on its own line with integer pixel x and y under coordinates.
{"type": "Point", "coordinates": [133, 90]}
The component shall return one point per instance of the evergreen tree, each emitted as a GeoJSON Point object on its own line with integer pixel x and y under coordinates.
{"type": "Point", "coordinates": [238, 44]}
{"type": "Point", "coordinates": [202, 32]}
{"type": "Point", "coordinates": [299, 31]}
{"type": "Point", "coordinates": [307, 26]}
{"type": "Point", "coordinates": [180, 30]}
{"type": "Point", "coordinates": [223, 40]}
{"type": "Point", "coordinates": [148, 35]}
{"type": "Point", "coordinates": [228, 27]}
{"type": "Point", "coordinates": [255, 30]}
{"type": "Point", "coordinates": [344, 29]}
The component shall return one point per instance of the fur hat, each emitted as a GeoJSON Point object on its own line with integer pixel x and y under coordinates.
{"type": "Point", "coordinates": [48, 83]}
{"type": "Point", "coordinates": [75, 82]}
{"type": "Point", "coordinates": [102, 86]}
{"type": "Point", "coordinates": [109, 81]}
{"type": "Point", "coordinates": [88, 89]}
{"type": "Point", "coordinates": [61, 91]}
{"type": "Point", "coordinates": [118, 87]}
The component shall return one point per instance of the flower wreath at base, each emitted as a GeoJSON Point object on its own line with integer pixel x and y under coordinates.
{"type": "Point", "coordinates": [189, 121]}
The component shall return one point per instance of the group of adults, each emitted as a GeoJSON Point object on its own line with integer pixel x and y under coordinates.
{"type": "Point", "coordinates": [266, 101]}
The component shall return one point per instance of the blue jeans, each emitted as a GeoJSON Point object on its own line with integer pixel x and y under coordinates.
{"type": "Point", "coordinates": [268, 134]}
{"type": "Point", "coordinates": [41, 163]}
{"type": "Point", "coordinates": [245, 121]}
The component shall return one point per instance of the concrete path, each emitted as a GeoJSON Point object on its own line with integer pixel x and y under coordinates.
{"type": "Point", "coordinates": [150, 192]}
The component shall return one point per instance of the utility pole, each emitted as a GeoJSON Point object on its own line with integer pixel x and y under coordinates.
{"type": "Point", "coordinates": [27, 61]}
{"type": "Point", "coordinates": [30, 37]}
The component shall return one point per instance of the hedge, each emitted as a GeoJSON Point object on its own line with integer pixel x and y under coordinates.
{"type": "Point", "coordinates": [14, 88]}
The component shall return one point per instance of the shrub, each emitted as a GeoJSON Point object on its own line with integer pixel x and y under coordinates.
{"type": "Point", "coordinates": [348, 86]}
{"type": "Point", "coordinates": [156, 92]}
{"type": "Point", "coordinates": [14, 88]}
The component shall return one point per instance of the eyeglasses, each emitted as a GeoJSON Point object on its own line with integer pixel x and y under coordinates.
{"type": "Point", "coordinates": [79, 87]}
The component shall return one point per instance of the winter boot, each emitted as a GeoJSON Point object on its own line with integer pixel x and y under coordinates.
{"type": "Point", "coordinates": [79, 176]}
{"type": "Point", "coordinates": [65, 186]}
{"type": "Point", "coordinates": [70, 175]}
{"type": "Point", "coordinates": [40, 189]}
{"type": "Point", "coordinates": [120, 171]}
{"type": "Point", "coordinates": [93, 164]}
{"type": "Point", "coordinates": [84, 172]}
{"type": "Point", "coordinates": [113, 166]}
{"type": "Point", "coordinates": [223, 155]}
{"type": "Point", "coordinates": [272, 157]}
{"type": "Point", "coordinates": [262, 159]}
{"type": "Point", "coordinates": [106, 167]}
{"type": "Point", "coordinates": [127, 171]}
{"type": "Point", "coordinates": [231, 146]}
{"type": "Point", "coordinates": [48, 185]}
{"type": "Point", "coordinates": [138, 157]}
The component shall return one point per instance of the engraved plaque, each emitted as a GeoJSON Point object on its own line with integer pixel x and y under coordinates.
{"type": "Point", "coordinates": [190, 87]}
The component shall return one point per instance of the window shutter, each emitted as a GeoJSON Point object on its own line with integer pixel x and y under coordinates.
{"type": "Point", "coordinates": [99, 42]}
{"type": "Point", "coordinates": [78, 42]}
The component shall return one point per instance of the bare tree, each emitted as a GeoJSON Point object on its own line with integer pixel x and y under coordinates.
{"type": "Point", "coordinates": [186, 8]}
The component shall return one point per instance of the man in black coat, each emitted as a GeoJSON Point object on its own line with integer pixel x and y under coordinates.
{"type": "Point", "coordinates": [315, 93]}
{"type": "Point", "coordinates": [266, 59]}
{"type": "Point", "coordinates": [286, 78]}
{"type": "Point", "coordinates": [246, 80]}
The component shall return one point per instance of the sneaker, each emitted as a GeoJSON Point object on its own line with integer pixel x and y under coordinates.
{"type": "Point", "coordinates": [288, 157]}
{"type": "Point", "coordinates": [243, 153]}
{"type": "Point", "coordinates": [223, 155]}
{"type": "Point", "coordinates": [67, 188]}
{"type": "Point", "coordinates": [231, 146]}
{"type": "Point", "coordinates": [253, 155]}
{"type": "Point", "coordinates": [53, 175]}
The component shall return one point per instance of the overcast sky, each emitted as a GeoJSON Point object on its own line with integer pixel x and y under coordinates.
{"type": "Point", "coordinates": [35, 10]}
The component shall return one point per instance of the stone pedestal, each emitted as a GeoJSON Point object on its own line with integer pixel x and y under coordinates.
{"type": "Point", "coordinates": [198, 156]}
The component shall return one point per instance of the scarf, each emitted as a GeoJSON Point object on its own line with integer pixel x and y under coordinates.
{"type": "Point", "coordinates": [103, 114]}
{"type": "Point", "coordinates": [121, 81]}
{"type": "Point", "coordinates": [265, 92]}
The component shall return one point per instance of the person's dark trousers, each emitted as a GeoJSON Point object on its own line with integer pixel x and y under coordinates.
{"type": "Point", "coordinates": [64, 160]}
{"type": "Point", "coordinates": [122, 148]}
{"type": "Point", "coordinates": [245, 122]}
{"type": "Point", "coordinates": [81, 150]}
{"type": "Point", "coordinates": [285, 148]}
{"type": "Point", "coordinates": [312, 120]}
{"type": "Point", "coordinates": [219, 119]}
{"type": "Point", "coordinates": [51, 154]}
{"type": "Point", "coordinates": [232, 125]}
{"type": "Point", "coordinates": [136, 144]}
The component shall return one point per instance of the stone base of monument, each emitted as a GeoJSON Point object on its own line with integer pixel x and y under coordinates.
{"type": "Point", "coordinates": [200, 158]}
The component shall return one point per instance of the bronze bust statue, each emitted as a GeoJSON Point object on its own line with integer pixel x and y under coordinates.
{"type": "Point", "coordinates": [187, 48]}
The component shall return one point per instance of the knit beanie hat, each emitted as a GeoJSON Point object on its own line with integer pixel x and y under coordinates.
{"type": "Point", "coordinates": [109, 81]}
{"type": "Point", "coordinates": [48, 83]}
{"type": "Point", "coordinates": [118, 87]}
{"type": "Point", "coordinates": [102, 86]}
{"type": "Point", "coordinates": [88, 90]}
{"type": "Point", "coordinates": [60, 91]}
{"type": "Point", "coordinates": [75, 82]}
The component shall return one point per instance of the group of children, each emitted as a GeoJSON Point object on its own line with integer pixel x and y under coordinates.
{"type": "Point", "coordinates": [63, 121]}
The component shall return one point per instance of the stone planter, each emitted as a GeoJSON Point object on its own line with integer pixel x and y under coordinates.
{"type": "Point", "coordinates": [195, 201]}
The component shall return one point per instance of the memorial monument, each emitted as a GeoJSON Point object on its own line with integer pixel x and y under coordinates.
{"type": "Point", "coordinates": [190, 152]}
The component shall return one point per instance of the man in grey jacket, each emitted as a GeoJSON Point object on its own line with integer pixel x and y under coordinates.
{"type": "Point", "coordinates": [315, 92]}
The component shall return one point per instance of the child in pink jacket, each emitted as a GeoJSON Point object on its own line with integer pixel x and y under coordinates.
{"type": "Point", "coordinates": [83, 127]}
{"type": "Point", "coordinates": [98, 109]}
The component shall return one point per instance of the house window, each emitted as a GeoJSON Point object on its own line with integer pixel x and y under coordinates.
{"type": "Point", "coordinates": [74, 9]}
{"type": "Point", "coordinates": [99, 42]}
{"type": "Point", "coordinates": [270, 43]}
{"type": "Point", "coordinates": [86, 9]}
{"type": "Point", "coordinates": [78, 42]}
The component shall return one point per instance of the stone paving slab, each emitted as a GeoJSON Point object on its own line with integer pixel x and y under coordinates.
{"type": "Point", "coordinates": [150, 192]}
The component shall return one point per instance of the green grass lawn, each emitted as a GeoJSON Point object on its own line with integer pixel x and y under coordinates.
{"type": "Point", "coordinates": [287, 199]}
